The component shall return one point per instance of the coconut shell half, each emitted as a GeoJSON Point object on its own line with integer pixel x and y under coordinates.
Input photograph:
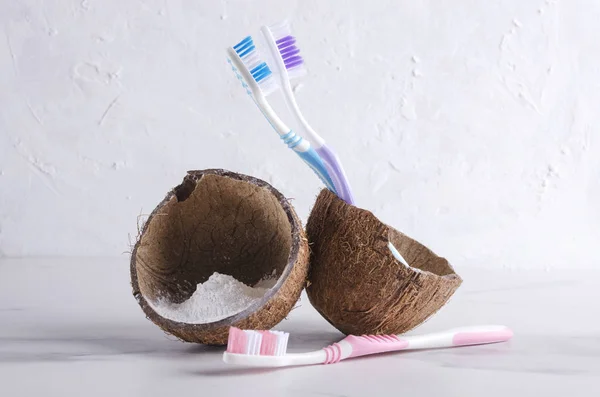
{"type": "Point", "coordinates": [355, 281]}
{"type": "Point", "coordinates": [220, 221]}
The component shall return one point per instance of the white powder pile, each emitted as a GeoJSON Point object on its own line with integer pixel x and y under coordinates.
{"type": "Point", "coordinates": [219, 297]}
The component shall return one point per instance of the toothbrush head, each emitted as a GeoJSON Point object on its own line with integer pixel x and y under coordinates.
{"type": "Point", "coordinates": [259, 70]}
{"type": "Point", "coordinates": [289, 52]}
{"type": "Point", "coordinates": [263, 343]}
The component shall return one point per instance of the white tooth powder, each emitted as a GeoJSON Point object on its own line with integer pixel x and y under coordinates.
{"type": "Point", "coordinates": [219, 297]}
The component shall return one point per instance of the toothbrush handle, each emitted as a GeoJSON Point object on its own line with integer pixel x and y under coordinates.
{"type": "Point", "coordinates": [336, 171]}
{"type": "Point", "coordinates": [313, 160]}
{"type": "Point", "coordinates": [355, 346]}
{"type": "Point", "coordinates": [476, 335]}
{"type": "Point", "coordinates": [310, 157]}
{"type": "Point", "coordinates": [296, 143]}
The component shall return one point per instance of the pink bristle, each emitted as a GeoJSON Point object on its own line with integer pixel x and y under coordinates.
{"type": "Point", "coordinates": [269, 343]}
{"type": "Point", "coordinates": [237, 341]}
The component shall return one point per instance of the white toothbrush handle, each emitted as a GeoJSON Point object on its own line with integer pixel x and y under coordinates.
{"type": "Point", "coordinates": [287, 360]}
{"type": "Point", "coordinates": [464, 336]}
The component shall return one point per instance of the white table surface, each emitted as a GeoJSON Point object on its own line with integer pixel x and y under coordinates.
{"type": "Point", "coordinates": [70, 327]}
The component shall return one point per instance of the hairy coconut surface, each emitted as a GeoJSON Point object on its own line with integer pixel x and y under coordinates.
{"type": "Point", "coordinates": [220, 221]}
{"type": "Point", "coordinates": [355, 281]}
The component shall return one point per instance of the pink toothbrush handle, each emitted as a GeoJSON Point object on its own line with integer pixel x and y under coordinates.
{"type": "Point", "coordinates": [355, 346]}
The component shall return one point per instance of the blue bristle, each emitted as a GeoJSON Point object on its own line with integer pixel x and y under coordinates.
{"type": "Point", "coordinates": [260, 72]}
{"type": "Point", "coordinates": [246, 47]}
{"type": "Point", "coordinates": [259, 68]}
{"type": "Point", "coordinates": [242, 43]}
{"type": "Point", "coordinates": [263, 75]}
{"type": "Point", "coordinates": [246, 51]}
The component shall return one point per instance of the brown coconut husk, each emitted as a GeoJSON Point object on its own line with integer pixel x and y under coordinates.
{"type": "Point", "coordinates": [357, 284]}
{"type": "Point", "coordinates": [220, 221]}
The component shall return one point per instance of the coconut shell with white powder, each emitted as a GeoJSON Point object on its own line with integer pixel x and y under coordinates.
{"type": "Point", "coordinates": [357, 283]}
{"type": "Point", "coordinates": [218, 221]}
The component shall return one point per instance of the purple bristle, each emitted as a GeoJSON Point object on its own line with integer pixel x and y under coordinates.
{"type": "Point", "coordinates": [293, 62]}
{"type": "Point", "coordinates": [285, 39]}
{"type": "Point", "coordinates": [289, 52]}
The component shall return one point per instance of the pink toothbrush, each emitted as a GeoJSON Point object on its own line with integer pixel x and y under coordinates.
{"type": "Point", "coordinates": [267, 348]}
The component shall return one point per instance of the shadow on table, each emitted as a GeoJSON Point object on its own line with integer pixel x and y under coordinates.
{"type": "Point", "coordinates": [231, 371]}
{"type": "Point", "coordinates": [102, 341]}
{"type": "Point", "coordinates": [93, 342]}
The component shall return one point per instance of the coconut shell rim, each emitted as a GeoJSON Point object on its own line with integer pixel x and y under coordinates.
{"type": "Point", "coordinates": [296, 232]}
{"type": "Point", "coordinates": [392, 229]}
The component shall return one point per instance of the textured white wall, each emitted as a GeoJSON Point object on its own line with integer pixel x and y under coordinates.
{"type": "Point", "coordinates": [470, 125]}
